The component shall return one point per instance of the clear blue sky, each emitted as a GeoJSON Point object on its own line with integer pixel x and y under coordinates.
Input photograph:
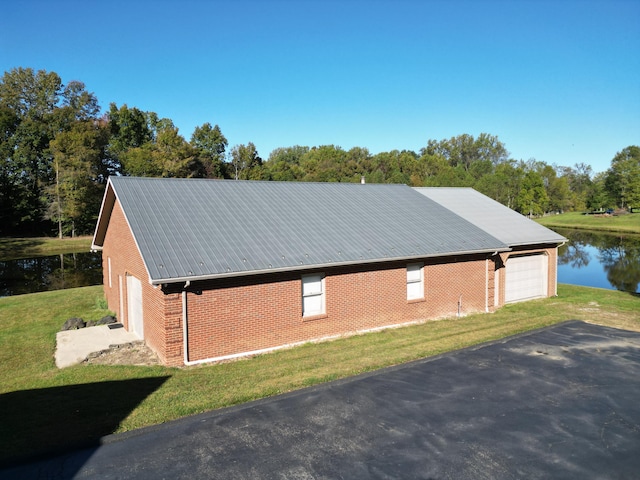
{"type": "Point", "coordinates": [558, 81]}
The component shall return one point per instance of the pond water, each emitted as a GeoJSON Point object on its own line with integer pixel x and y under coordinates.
{"type": "Point", "coordinates": [600, 260]}
{"type": "Point", "coordinates": [40, 274]}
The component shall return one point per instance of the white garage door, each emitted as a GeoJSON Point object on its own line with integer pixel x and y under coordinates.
{"type": "Point", "coordinates": [526, 278]}
{"type": "Point", "coordinates": [134, 305]}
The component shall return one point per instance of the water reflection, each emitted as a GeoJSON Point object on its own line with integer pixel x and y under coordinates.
{"type": "Point", "coordinates": [600, 260]}
{"type": "Point", "coordinates": [39, 274]}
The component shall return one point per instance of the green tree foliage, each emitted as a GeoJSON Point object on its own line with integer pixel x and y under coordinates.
{"type": "Point", "coordinates": [560, 198]}
{"type": "Point", "coordinates": [144, 145]}
{"type": "Point", "coordinates": [30, 94]}
{"type": "Point", "coordinates": [579, 180]}
{"type": "Point", "coordinates": [326, 163]}
{"type": "Point", "coordinates": [57, 153]}
{"type": "Point", "coordinates": [504, 185]}
{"type": "Point", "coordinates": [465, 150]}
{"type": "Point", "coordinates": [245, 164]}
{"type": "Point", "coordinates": [532, 197]}
{"type": "Point", "coordinates": [129, 128]}
{"type": "Point", "coordinates": [211, 145]}
{"type": "Point", "coordinates": [35, 107]}
{"type": "Point", "coordinates": [623, 178]}
{"type": "Point", "coordinates": [285, 164]}
{"type": "Point", "coordinates": [77, 103]}
{"type": "Point", "coordinates": [79, 169]}
{"type": "Point", "coordinates": [462, 161]}
{"type": "Point", "coordinates": [597, 197]}
{"type": "Point", "coordinates": [11, 188]}
{"type": "Point", "coordinates": [168, 155]}
{"type": "Point", "coordinates": [396, 167]}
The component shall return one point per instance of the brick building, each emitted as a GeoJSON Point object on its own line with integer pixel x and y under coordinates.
{"type": "Point", "coordinates": [206, 270]}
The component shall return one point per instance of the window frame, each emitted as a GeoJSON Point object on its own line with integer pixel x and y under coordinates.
{"type": "Point", "coordinates": [315, 294]}
{"type": "Point", "coordinates": [411, 282]}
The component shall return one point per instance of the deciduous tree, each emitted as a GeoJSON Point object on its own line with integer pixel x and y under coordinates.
{"type": "Point", "coordinates": [245, 162]}
{"type": "Point", "coordinates": [211, 145]}
{"type": "Point", "coordinates": [78, 166]}
{"type": "Point", "coordinates": [129, 129]}
{"type": "Point", "coordinates": [532, 198]}
{"type": "Point", "coordinates": [35, 107]}
{"type": "Point", "coordinates": [284, 164]}
{"type": "Point", "coordinates": [623, 178]}
{"type": "Point", "coordinates": [464, 150]}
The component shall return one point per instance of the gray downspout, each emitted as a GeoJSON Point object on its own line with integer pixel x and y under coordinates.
{"type": "Point", "coordinates": [185, 332]}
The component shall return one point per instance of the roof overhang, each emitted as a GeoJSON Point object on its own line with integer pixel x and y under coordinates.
{"type": "Point", "coordinates": [108, 201]}
{"type": "Point", "coordinates": [540, 244]}
{"type": "Point", "coordinates": [303, 268]}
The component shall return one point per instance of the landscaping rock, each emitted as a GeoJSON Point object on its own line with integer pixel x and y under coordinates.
{"type": "Point", "coordinates": [73, 323]}
{"type": "Point", "coordinates": [106, 320]}
{"type": "Point", "coordinates": [133, 353]}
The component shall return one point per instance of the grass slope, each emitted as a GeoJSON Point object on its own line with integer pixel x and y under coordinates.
{"type": "Point", "coordinates": [620, 224]}
{"type": "Point", "coordinates": [43, 409]}
{"type": "Point", "coordinates": [15, 248]}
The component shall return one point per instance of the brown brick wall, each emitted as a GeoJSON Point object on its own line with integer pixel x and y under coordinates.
{"type": "Point", "coordinates": [242, 315]}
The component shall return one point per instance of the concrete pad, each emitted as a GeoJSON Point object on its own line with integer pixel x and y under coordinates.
{"type": "Point", "coordinates": [73, 346]}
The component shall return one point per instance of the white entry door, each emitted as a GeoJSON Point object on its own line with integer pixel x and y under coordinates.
{"type": "Point", "coordinates": [134, 306]}
{"type": "Point", "coordinates": [526, 278]}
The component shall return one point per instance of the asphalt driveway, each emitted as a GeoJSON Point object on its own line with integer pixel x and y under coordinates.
{"type": "Point", "coordinates": [562, 402]}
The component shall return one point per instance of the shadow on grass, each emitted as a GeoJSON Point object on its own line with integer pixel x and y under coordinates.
{"type": "Point", "coordinates": [13, 248]}
{"type": "Point", "coordinates": [49, 421]}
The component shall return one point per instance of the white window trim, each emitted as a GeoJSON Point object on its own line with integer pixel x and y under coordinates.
{"type": "Point", "coordinates": [314, 294]}
{"type": "Point", "coordinates": [414, 282]}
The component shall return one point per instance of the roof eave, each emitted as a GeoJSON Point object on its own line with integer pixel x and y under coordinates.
{"type": "Point", "coordinates": [298, 268]}
{"type": "Point", "coordinates": [108, 201]}
{"type": "Point", "coordinates": [554, 241]}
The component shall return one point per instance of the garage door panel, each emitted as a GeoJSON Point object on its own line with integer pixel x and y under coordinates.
{"type": "Point", "coordinates": [526, 278]}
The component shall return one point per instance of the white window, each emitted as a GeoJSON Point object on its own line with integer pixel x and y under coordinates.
{"type": "Point", "coordinates": [415, 281]}
{"type": "Point", "coordinates": [109, 270]}
{"type": "Point", "coordinates": [312, 295]}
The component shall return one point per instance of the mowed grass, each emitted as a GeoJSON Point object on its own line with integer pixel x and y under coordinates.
{"type": "Point", "coordinates": [15, 248]}
{"type": "Point", "coordinates": [620, 223]}
{"type": "Point", "coordinates": [44, 410]}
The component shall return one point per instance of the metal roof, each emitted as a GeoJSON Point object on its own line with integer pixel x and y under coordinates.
{"type": "Point", "coordinates": [491, 216]}
{"type": "Point", "coordinates": [188, 229]}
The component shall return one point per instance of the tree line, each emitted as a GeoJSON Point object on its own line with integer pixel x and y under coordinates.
{"type": "Point", "coordinates": [58, 149]}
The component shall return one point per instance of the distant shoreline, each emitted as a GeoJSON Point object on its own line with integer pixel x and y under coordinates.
{"type": "Point", "coordinates": [614, 224]}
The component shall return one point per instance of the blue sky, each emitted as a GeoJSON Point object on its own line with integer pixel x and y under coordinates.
{"type": "Point", "coordinates": [558, 81]}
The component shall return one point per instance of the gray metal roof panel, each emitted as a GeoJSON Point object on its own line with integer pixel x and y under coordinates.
{"type": "Point", "coordinates": [192, 228]}
{"type": "Point", "coordinates": [498, 220]}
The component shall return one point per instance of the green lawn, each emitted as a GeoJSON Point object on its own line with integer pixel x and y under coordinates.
{"type": "Point", "coordinates": [14, 248]}
{"type": "Point", "coordinates": [623, 223]}
{"type": "Point", "coordinates": [43, 408]}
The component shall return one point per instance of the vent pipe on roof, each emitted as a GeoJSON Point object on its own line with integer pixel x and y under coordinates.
{"type": "Point", "coordinates": [362, 179]}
